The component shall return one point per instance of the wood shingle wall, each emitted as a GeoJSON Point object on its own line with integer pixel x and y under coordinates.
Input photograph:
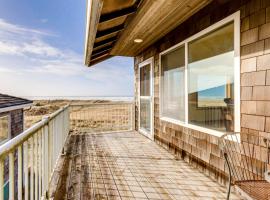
{"type": "Point", "coordinates": [201, 149]}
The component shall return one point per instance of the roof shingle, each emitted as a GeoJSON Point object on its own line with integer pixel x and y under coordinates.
{"type": "Point", "coordinates": [8, 101]}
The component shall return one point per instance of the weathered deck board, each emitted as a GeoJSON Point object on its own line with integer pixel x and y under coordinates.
{"type": "Point", "coordinates": [127, 165]}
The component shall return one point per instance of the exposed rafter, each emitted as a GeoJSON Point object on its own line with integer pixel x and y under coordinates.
{"type": "Point", "coordinates": [113, 15]}
{"type": "Point", "coordinates": [112, 39]}
{"type": "Point", "coordinates": [110, 30]}
{"type": "Point", "coordinates": [100, 59]}
{"type": "Point", "coordinates": [100, 53]}
{"type": "Point", "coordinates": [101, 49]}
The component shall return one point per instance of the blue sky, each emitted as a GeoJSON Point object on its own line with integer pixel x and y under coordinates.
{"type": "Point", "coordinates": [41, 53]}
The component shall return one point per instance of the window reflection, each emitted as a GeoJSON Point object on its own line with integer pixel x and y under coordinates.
{"type": "Point", "coordinates": [145, 80]}
{"type": "Point", "coordinates": [4, 128]}
{"type": "Point", "coordinates": [145, 114]}
{"type": "Point", "coordinates": [173, 90]}
{"type": "Point", "coordinates": [211, 80]}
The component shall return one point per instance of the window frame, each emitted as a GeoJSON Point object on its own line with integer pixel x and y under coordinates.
{"type": "Point", "coordinates": [165, 118]}
{"type": "Point", "coordinates": [235, 18]}
{"type": "Point", "coordinates": [9, 127]}
{"type": "Point", "coordinates": [149, 61]}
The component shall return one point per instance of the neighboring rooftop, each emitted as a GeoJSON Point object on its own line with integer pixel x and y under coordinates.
{"type": "Point", "coordinates": [10, 101]}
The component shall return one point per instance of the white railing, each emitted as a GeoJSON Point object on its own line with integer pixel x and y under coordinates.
{"type": "Point", "coordinates": [27, 161]}
{"type": "Point", "coordinates": [102, 117]}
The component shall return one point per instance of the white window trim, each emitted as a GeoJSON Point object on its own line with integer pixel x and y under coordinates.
{"type": "Point", "coordinates": [232, 18]}
{"type": "Point", "coordinates": [142, 64]}
{"type": "Point", "coordinates": [9, 127]}
{"type": "Point", "coordinates": [165, 118]}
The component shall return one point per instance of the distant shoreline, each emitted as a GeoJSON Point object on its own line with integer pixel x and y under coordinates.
{"type": "Point", "coordinates": [112, 98]}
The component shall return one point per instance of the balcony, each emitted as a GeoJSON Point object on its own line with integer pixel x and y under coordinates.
{"type": "Point", "coordinates": [91, 151]}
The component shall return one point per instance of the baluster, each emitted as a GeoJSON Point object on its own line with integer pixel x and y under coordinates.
{"type": "Point", "coordinates": [43, 161]}
{"type": "Point", "coordinates": [20, 174]}
{"type": "Point", "coordinates": [26, 183]}
{"type": "Point", "coordinates": [46, 160]}
{"type": "Point", "coordinates": [2, 166]}
{"type": "Point", "coordinates": [31, 168]}
{"type": "Point", "coordinates": [36, 165]}
{"type": "Point", "coordinates": [39, 164]}
{"type": "Point", "coordinates": [11, 175]}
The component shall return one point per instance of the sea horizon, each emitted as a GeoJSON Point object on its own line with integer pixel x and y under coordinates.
{"type": "Point", "coordinates": [112, 98]}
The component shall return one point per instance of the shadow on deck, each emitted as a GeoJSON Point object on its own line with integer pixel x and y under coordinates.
{"type": "Point", "coordinates": [126, 165]}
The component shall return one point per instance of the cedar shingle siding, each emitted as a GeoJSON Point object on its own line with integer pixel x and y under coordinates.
{"type": "Point", "coordinates": [201, 149]}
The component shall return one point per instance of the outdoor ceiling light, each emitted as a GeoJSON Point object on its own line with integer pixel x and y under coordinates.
{"type": "Point", "coordinates": [138, 40]}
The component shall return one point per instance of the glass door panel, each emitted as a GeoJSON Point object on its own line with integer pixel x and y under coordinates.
{"type": "Point", "coordinates": [145, 115]}
{"type": "Point", "coordinates": [145, 99]}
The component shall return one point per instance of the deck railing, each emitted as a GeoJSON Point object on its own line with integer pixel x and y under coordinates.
{"type": "Point", "coordinates": [27, 161]}
{"type": "Point", "coordinates": [102, 117]}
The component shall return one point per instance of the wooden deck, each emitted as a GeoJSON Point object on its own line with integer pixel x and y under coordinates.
{"type": "Point", "coordinates": [127, 165]}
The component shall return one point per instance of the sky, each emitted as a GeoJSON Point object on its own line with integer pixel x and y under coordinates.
{"type": "Point", "coordinates": [42, 48]}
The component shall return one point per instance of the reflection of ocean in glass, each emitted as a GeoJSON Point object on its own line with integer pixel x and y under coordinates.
{"type": "Point", "coordinates": [211, 80]}
{"type": "Point", "coordinates": [210, 95]}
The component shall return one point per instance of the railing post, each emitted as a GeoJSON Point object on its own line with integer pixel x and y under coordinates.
{"type": "Point", "coordinates": [31, 168]}
{"type": "Point", "coordinates": [40, 164]}
{"type": "Point", "coordinates": [36, 165]}
{"type": "Point", "coordinates": [20, 162]}
{"type": "Point", "coordinates": [2, 166]}
{"type": "Point", "coordinates": [26, 178]}
{"type": "Point", "coordinates": [11, 175]}
{"type": "Point", "coordinates": [46, 163]}
{"type": "Point", "coordinates": [68, 119]}
{"type": "Point", "coordinates": [133, 116]}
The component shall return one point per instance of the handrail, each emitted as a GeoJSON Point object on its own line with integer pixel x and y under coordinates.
{"type": "Point", "coordinates": [100, 104]}
{"type": "Point", "coordinates": [102, 117]}
{"type": "Point", "coordinates": [37, 150]}
{"type": "Point", "coordinates": [16, 141]}
{"type": "Point", "coordinates": [19, 139]}
{"type": "Point", "coordinates": [33, 154]}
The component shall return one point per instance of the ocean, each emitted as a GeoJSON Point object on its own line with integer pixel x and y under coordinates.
{"type": "Point", "coordinates": [112, 98]}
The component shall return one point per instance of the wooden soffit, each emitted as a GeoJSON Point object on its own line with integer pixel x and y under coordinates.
{"type": "Point", "coordinates": [106, 19]}
{"type": "Point", "coordinates": [154, 20]}
{"type": "Point", "coordinates": [113, 25]}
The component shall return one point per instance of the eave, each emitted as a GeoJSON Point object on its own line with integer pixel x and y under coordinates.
{"type": "Point", "coordinates": [113, 25]}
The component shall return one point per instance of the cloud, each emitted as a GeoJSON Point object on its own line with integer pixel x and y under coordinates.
{"type": "Point", "coordinates": [42, 68]}
{"type": "Point", "coordinates": [19, 30]}
{"type": "Point", "coordinates": [44, 20]}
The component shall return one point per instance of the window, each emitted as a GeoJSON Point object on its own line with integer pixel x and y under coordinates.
{"type": "Point", "coordinates": [211, 80]}
{"type": "Point", "coordinates": [4, 127]}
{"type": "Point", "coordinates": [200, 84]}
{"type": "Point", "coordinates": [172, 84]}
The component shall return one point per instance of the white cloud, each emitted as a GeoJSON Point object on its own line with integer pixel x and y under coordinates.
{"type": "Point", "coordinates": [17, 29]}
{"type": "Point", "coordinates": [18, 40]}
{"type": "Point", "coordinates": [44, 20]}
{"type": "Point", "coordinates": [29, 65]}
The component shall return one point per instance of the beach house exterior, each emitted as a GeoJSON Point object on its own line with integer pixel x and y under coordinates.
{"type": "Point", "coordinates": [202, 91]}
{"type": "Point", "coordinates": [11, 125]}
{"type": "Point", "coordinates": [11, 116]}
{"type": "Point", "coordinates": [201, 70]}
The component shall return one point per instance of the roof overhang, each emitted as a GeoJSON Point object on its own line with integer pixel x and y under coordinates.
{"type": "Point", "coordinates": [17, 107]}
{"type": "Point", "coordinates": [113, 25]}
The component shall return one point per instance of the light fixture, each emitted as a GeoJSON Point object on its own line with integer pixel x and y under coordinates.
{"type": "Point", "coordinates": [138, 40]}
